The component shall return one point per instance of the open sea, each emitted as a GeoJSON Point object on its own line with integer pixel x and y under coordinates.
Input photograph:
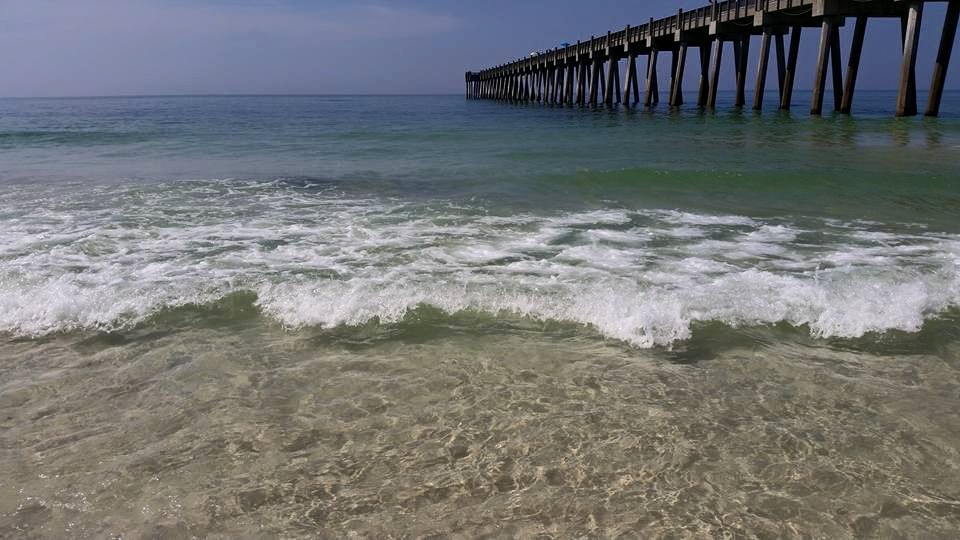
{"type": "Point", "coordinates": [300, 317]}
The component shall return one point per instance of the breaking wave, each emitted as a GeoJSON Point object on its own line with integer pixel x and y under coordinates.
{"type": "Point", "coordinates": [645, 277]}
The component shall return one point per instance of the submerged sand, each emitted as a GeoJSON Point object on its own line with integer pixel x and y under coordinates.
{"type": "Point", "coordinates": [249, 431]}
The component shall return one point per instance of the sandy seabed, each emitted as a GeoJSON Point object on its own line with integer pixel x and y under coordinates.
{"type": "Point", "coordinates": [254, 432]}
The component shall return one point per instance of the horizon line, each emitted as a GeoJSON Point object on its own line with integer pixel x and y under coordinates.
{"type": "Point", "coordinates": [240, 94]}
{"type": "Point", "coordinates": [245, 94]}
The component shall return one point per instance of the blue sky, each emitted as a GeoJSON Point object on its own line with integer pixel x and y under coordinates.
{"type": "Point", "coordinates": [120, 47]}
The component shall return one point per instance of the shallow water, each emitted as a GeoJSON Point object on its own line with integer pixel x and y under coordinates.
{"type": "Point", "coordinates": [302, 316]}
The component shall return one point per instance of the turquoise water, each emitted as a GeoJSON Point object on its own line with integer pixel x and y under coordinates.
{"type": "Point", "coordinates": [309, 203]}
{"type": "Point", "coordinates": [426, 315]}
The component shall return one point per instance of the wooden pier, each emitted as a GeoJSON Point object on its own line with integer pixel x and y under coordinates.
{"type": "Point", "coordinates": [588, 73]}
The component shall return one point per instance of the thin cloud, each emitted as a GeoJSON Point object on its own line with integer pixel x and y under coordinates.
{"type": "Point", "coordinates": [73, 47]}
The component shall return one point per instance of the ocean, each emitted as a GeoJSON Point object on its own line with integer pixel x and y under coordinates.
{"type": "Point", "coordinates": [423, 316]}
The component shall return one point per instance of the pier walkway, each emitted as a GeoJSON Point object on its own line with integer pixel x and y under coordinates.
{"type": "Point", "coordinates": [588, 73]}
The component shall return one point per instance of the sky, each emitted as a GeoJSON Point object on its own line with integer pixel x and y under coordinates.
{"type": "Point", "coordinates": [136, 47]}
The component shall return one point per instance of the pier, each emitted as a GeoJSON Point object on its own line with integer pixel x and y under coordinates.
{"type": "Point", "coordinates": [588, 73]}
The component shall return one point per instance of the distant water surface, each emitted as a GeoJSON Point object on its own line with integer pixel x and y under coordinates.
{"type": "Point", "coordinates": [424, 315]}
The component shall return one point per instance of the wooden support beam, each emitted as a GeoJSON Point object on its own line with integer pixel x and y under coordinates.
{"type": "Point", "coordinates": [571, 71]}
{"type": "Point", "coordinates": [595, 82]}
{"type": "Point", "coordinates": [762, 70]}
{"type": "Point", "coordinates": [612, 65]}
{"type": "Point", "coordinates": [558, 84]}
{"type": "Point", "coordinates": [743, 53]}
{"type": "Point", "coordinates": [554, 85]}
{"type": "Point", "coordinates": [673, 72]}
{"type": "Point", "coordinates": [820, 77]}
{"type": "Point", "coordinates": [558, 90]}
{"type": "Point", "coordinates": [616, 75]}
{"type": "Point", "coordinates": [549, 90]}
{"type": "Point", "coordinates": [781, 64]}
{"type": "Point", "coordinates": [736, 71]}
{"type": "Point", "coordinates": [835, 61]}
{"type": "Point", "coordinates": [545, 79]}
{"type": "Point", "coordinates": [582, 84]}
{"type": "Point", "coordinates": [679, 64]}
{"type": "Point", "coordinates": [715, 72]}
{"type": "Point", "coordinates": [703, 91]}
{"type": "Point", "coordinates": [943, 58]}
{"type": "Point", "coordinates": [603, 83]}
{"type": "Point", "coordinates": [549, 85]}
{"type": "Point", "coordinates": [628, 98]}
{"type": "Point", "coordinates": [853, 64]}
{"type": "Point", "coordinates": [907, 96]}
{"type": "Point", "coordinates": [651, 97]}
{"type": "Point", "coordinates": [546, 76]}
{"type": "Point", "coordinates": [791, 73]}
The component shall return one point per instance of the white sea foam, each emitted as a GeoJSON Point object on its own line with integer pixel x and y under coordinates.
{"type": "Point", "coordinates": [314, 259]}
{"type": "Point", "coordinates": [688, 218]}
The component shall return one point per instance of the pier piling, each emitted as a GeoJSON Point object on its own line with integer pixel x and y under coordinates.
{"type": "Point", "coordinates": [907, 94]}
{"type": "Point", "coordinates": [762, 70]}
{"type": "Point", "coordinates": [703, 91]}
{"type": "Point", "coordinates": [791, 72]}
{"type": "Point", "coordinates": [631, 91]}
{"type": "Point", "coordinates": [612, 69]}
{"type": "Point", "coordinates": [853, 64]}
{"type": "Point", "coordinates": [652, 94]}
{"type": "Point", "coordinates": [715, 72]}
{"type": "Point", "coordinates": [679, 64]}
{"type": "Point", "coordinates": [741, 47]}
{"type": "Point", "coordinates": [781, 64]}
{"type": "Point", "coordinates": [943, 58]}
{"type": "Point", "coordinates": [835, 61]}
{"type": "Point", "coordinates": [820, 78]}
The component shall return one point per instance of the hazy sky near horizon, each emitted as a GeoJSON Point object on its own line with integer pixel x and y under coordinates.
{"type": "Point", "coordinates": [121, 47]}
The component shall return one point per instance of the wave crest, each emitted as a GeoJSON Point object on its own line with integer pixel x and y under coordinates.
{"type": "Point", "coordinates": [315, 259]}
